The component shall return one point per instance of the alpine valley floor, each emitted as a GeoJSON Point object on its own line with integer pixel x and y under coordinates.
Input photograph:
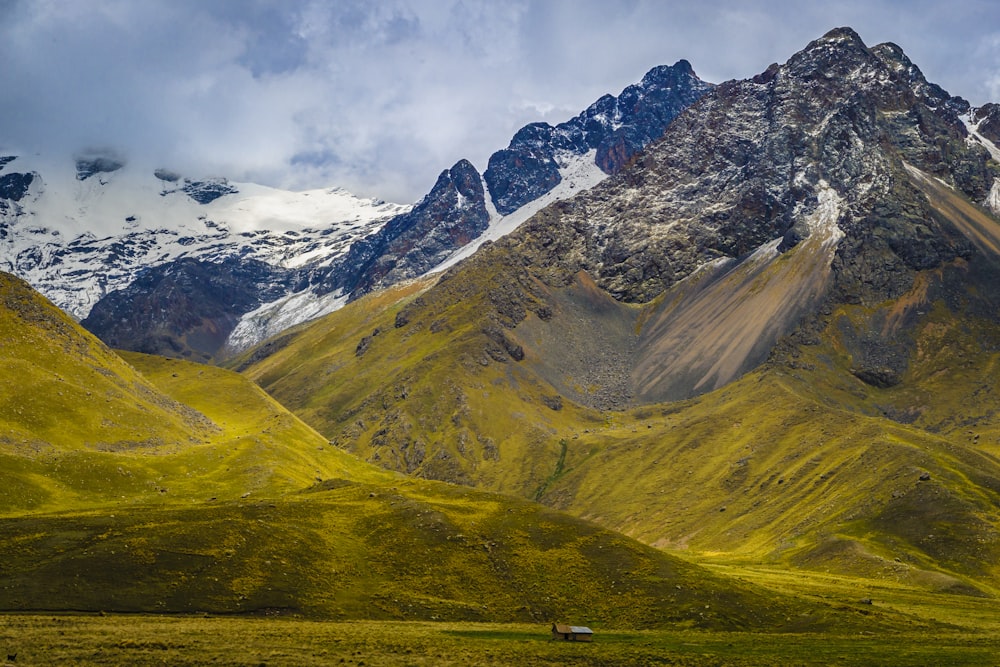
{"type": "Point", "coordinates": [140, 640]}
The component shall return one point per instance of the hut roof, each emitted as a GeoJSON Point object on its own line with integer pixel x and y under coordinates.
{"type": "Point", "coordinates": [572, 629]}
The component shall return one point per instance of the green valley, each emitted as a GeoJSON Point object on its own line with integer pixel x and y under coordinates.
{"type": "Point", "coordinates": [248, 510]}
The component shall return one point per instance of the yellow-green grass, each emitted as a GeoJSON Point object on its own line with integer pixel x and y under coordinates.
{"type": "Point", "coordinates": [250, 446]}
{"type": "Point", "coordinates": [139, 640]}
{"type": "Point", "coordinates": [246, 509]}
{"type": "Point", "coordinates": [761, 472]}
{"type": "Point", "coordinates": [798, 463]}
{"type": "Point", "coordinates": [962, 613]}
{"type": "Point", "coordinates": [418, 550]}
{"type": "Point", "coordinates": [261, 447]}
{"type": "Point", "coordinates": [82, 427]}
{"type": "Point", "coordinates": [423, 398]}
{"type": "Point", "coordinates": [63, 390]}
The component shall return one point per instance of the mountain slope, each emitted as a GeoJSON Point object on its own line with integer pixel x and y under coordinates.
{"type": "Point", "coordinates": [186, 308]}
{"type": "Point", "coordinates": [81, 427]}
{"type": "Point", "coordinates": [826, 215]}
{"type": "Point", "coordinates": [54, 376]}
{"type": "Point", "coordinates": [221, 501]}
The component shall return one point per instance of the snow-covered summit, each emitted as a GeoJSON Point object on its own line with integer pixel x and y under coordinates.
{"type": "Point", "coordinates": [157, 260]}
{"type": "Point", "coordinates": [80, 228]}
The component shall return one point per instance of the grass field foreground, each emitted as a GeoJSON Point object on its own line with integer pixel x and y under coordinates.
{"type": "Point", "coordinates": [214, 640]}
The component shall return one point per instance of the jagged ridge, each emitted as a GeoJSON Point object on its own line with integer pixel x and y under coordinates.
{"type": "Point", "coordinates": [452, 215]}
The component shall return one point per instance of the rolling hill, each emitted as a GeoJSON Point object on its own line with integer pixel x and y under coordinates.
{"type": "Point", "coordinates": [147, 484]}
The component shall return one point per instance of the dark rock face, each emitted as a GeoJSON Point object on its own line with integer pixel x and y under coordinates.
{"type": "Point", "coordinates": [524, 171]}
{"type": "Point", "coordinates": [14, 186]}
{"type": "Point", "coordinates": [451, 215]}
{"type": "Point", "coordinates": [185, 309]}
{"type": "Point", "coordinates": [205, 191]}
{"type": "Point", "coordinates": [987, 117]}
{"type": "Point", "coordinates": [88, 166]}
{"type": "Point", "coordinates": [746, 164]}
{"type": "Point", "coordinates": [645, 110]}
{"type": "Point", "coordinates": [617, 128]}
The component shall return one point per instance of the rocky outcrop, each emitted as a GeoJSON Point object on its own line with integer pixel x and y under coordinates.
{"type": "Point", "coordinates": [451, 215]}
{"type": "Point", "coordinates": [202, 191]}
{"type": "Point", "coordinates": [207, 191]}
{"type": "Point", "coordinates": [185, 309]}
{"type": "Point", "coordinates": [645, 109]}
{"type": "Point", "coordinates": [524, 171]}
{"type": "Point", "coordinates": [14, 186]}
{"type": "Point", "coordinates": [987, 119]}
{"type": "Point", "coordinates": [615, 127]}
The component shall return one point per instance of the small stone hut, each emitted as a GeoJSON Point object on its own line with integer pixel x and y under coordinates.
{"type": "Point", "coordinates": [572, 633]}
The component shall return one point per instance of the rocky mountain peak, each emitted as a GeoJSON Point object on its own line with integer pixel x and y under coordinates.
{"type": "Point", "coordinates": [841, 52]}
{"type": "Point", "coordinates": [616, 128]}
{"type": "Point", "coordinates": [449, 216]}
{"type": "Point", "coordinates": [841, 35]}
{"type": "Point", "coordinates": [462, 178]}
{"type": "Point", "coordinates": [810, 159]}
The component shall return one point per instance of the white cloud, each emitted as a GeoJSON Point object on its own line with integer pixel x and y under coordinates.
{"type": "Point", "coordinates": [380, 97]}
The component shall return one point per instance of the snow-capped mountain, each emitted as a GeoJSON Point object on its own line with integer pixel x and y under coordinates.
{"type": "Point", "coordinates": [541, 165]}
{"type": "Point", "coordinates": [145, 258]}
{"type": "Point", "coordinates": [80, 229]}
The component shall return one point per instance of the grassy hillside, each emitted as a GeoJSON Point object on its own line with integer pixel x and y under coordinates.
{"type": "Point", "coordinates": [230, 504]}
{"type": "Point", "coordinates": [433, 396]}
{"type": "Point", "coordinates": [55, 376]}
{"type": "Point", "coordinates": [418, 550]}
{"type": "Point", "coordinates": [868, 444]}
{"type": "Point", "coordinates": [81, 427]}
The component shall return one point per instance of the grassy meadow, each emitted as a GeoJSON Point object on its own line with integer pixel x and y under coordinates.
{"type": "Point", "coordinates": [219, 640]}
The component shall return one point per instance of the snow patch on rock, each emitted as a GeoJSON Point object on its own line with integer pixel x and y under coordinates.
{"type": "Point", "coordinates": [272, 318]}
{"type": "Point", "coordinates": [578, 172]}
{"type": "Point", "coordinates": [823, 221]}
{"type": "Point", "coordinates": [976, 137]}
{"type": "Point", "coordinates": [993, 199]}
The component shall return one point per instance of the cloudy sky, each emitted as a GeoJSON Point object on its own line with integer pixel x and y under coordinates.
{"type": "Point", "coordinates": [380, 96]}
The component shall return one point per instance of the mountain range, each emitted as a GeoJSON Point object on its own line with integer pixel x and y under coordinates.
{"type": "Point", "coordinates": [753, 324]}
{"type": "Point", "coordinates": [154, 270]}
